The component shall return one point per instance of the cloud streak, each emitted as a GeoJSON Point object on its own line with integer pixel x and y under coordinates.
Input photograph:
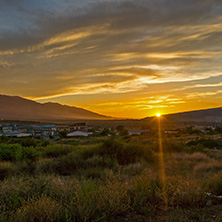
{"type": "Point", "coordinates": [53, 50]}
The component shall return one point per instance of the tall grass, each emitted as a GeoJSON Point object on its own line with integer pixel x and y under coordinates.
{"type": "Point", "coordinates": [42, 208]}
{"type": "Point", "coordinates": [105, 181]}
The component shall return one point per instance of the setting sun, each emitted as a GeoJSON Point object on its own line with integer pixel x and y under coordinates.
{"type": "Point", "coordinates": [158, 114]}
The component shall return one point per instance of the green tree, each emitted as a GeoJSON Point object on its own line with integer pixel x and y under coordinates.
{"type": "Point", "coordinates": [105, 132]}
{"type": "Point", "coordinates": [63, 133]}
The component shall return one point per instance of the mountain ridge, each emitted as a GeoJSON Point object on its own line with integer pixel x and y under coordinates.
{"type": "Point", "coordinates": [16, 107]}
{"type": "Point", "coordinates": [208, 115]}
{"type": "Point", "coordinates": [19, 108]}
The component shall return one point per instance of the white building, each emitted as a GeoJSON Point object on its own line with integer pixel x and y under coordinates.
{"type": "Point", "coordinates": [138, 132]}
{"type": "Point", "coordinates": [77, 133]}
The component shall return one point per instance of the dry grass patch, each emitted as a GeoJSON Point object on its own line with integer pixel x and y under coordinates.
{"type": "Point", "coordinates": [41, 209]}
{"type": "Point", "coordinates": [191, 157]}
{"type": "Point", "coordinates": [214, 184]}
{"type": "Point", "coordinates": [95, 202]}
{"type": "Point", "coordinates": [6, 169]}
{"type": "Point", "coordinates": [185, 193]}
{"type": "Point", "coordinates": [213, 166]}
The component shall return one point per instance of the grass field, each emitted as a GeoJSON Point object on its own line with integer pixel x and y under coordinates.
{"type": "Point", "coordinates": [116, 179]}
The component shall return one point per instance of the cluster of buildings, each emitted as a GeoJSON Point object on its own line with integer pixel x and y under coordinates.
{"type": "Point", "coordinates": [43, 131]}
{"type": "Point", "coordinates": [49, 131]}
{"type": "Point", "coordinates": [78, 129]}
{"type": "Point", "coordinates": [81, 129]}
{"type": "Point", "coordinates": [46, 131]}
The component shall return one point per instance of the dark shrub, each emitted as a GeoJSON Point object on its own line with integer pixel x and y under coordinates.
{"type": "Point", "coordinates": [112, 148]}
{"type": "Point", "coordinates": [8, 151]}
{"type": "Point", "coordinates": [5, 170]}
{"type": "Point", "coordinates": [27, 154]}
{"type": "Point", "coordinates": [70, 164]}
{"type": "Point", "coordinates": [15, 152]}
{"type": "Point", "coordinates": [105, 132]}
{"type": "Point", "coordinates": [218, 129]}
{"type": "Point", "coordinates": [191, 130]}
{"type": "Point", "coordinates": [125, 153]}
{"type": "Point", "coordinates": [28, 142]}
{"type": "Point", "coordinates": [207, 143]}
{"type": "Point", "coordinates": [66, 165]}
{"type": "Point", "coordinates": [173, 146]}
{"type": "Point", "coordinates": [133, 152]}
{"type": "Point", "coordinates": [214, 184]}
{"type": "Point", "coordinates": [63, 133]}
{"type": "Point", "coordinates": [56, 151]}
{"type": "Point", "coordinates": [44, 143]}
{"type": "Point", "coordinates": [4, 139]}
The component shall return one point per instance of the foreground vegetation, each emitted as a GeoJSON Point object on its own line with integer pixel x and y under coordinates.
{"type": "Point", "coordinates": [116, 179]}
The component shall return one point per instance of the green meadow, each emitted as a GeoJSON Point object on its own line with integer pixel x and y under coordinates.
{"type": "Point", "coordinates": [111, 179]}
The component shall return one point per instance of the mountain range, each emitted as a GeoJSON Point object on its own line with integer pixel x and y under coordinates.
{"type": "Point", "coordinates": [205, 115]}
{"type": "Point", "coordinates": [18, 108]}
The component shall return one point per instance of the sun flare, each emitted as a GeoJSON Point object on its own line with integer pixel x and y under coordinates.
{"type": "Point", "coordinates": [158, 115]}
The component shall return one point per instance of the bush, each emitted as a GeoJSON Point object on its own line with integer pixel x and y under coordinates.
{"type": "Point", "coordinates": [145, 192]}
{"type": "Point", "coordinates": [214, 184]}
{"type": "Point", "coordinates": [63, 133]}
{"type": "Point", "coordinates": [207, 143]}
{"type": "Point", "coordinates": [134, 152]}
{"type": "Point", "coordinates": [98, 161]}
{"type": "Point", "coordinates": [4, 139]}
{"type": "Point", "coordinates": [98, 203]}
{"type": "Point", "coordinates": [73, 163]}
{"type": "Point", "coordinates": [15, 152]}
{"type": "Point", "coordinates": [44, 143]}
{"type": "Point", "coordinates": [125, 153]}
{"type": "Point", "coordinates": [28, 142]}
{"type": "Point", "coordinates": [42, 209]}
{"type": "Point", "coordinates": [185, 193]}
{"type": "Point", "coordinates": [218, 129]}
{"type": "Point", "coordinates": [173, 146]}
{"type": "Point", "coordinates": [94, 173]}
{"type": "Point", "coordinates": [56, 151]}
{"type": "Point", "coordinates": [27, 154]}
{"type": "Point", "coordinates": [5, 169]}
{"type": "Point", "coordinates": [89, 151]}
{"type": "Point", "coordinates": [192, 130]}
{"type": "Point", "coordinates": [66, 165]}
{"type": "Point", "coordinates": [8, 152]}
{"type": "Point", "coordinates": [112, 148]}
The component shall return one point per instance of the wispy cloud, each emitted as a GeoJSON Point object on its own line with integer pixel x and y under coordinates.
{"type": "Point", "coordinates": [54, 50]}
{"type": "Point", "coordinates": [203, 94]}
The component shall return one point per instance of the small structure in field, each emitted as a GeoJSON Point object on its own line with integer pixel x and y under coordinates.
{"type": "Point", "coordinates": [78, 133]}
{"type": "Point", "coordinates": [78, 130]}
{"type": "Point", "coordinates": [21, 135]}
{"type": "Point", "coordinates": [138, 132]}
{"type": "Point", "coordinates": [8, 128]}
{"type": "Point", "coordinates": [42, 131]}
{"type": "Point", "coordinates": [172, 132]}
{"type": "Point", "coordinates": [78, 127]}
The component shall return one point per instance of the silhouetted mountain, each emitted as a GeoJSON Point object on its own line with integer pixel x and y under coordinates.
{"type": "Point", "coordinates": [206, 115]}
{"type": "Point", "coordinates": [18, 108]}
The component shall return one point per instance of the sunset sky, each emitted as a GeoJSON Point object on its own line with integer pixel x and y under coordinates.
{"type": "Point", "coordinates": [123, 58]}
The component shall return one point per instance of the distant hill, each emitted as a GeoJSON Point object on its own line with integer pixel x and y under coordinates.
{"type": "Point", "coordinates": [18, 108]}
{"type": "Point", "coordinates": [206, 115]}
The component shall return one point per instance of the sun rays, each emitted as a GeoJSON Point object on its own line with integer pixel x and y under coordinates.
{"type": "Point", "coordinates": [161, 161]}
